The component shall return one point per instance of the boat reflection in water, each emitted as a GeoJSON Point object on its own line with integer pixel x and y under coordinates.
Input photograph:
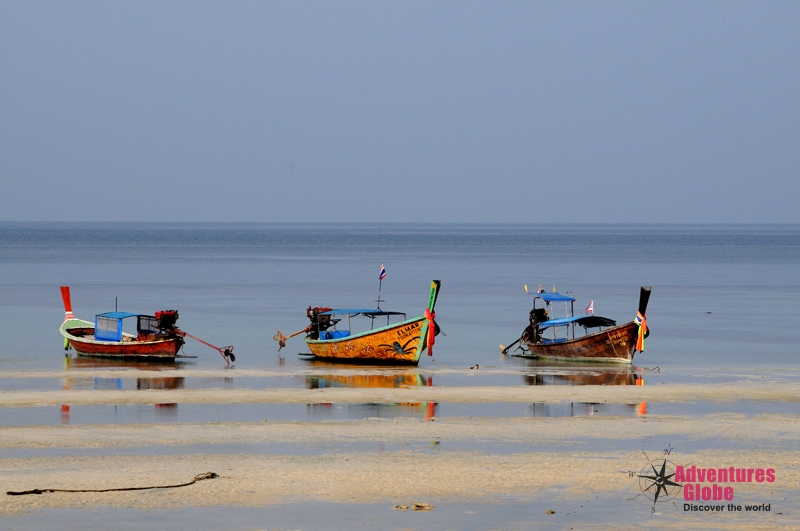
{"type": "Point", "coordinates": [82, 362]}
{"type": "Point", "coordinates": [168, 411]}
{"type": "Point", "coordinates": [93, 382]}
{"type": "Point", "coordinates": [329, 410]}
{"type": "Point", "coordinates": [586, 409]}
{"type": "Point", "coordinates": [549, 373]}
{"type": "Point", "coordinates": [544, 373]}
{"type": "Point", "coordinates": [160, 383]}
{"type": "Point", "coordinates": [367, 381]}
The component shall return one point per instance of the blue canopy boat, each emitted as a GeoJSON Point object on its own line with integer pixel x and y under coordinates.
{"type": "Point", "coordinates": [156, 336]}
{"type": "Point", "coordinates": [399, 343]}
{"type": "Point", "coordinates": [555, 338]}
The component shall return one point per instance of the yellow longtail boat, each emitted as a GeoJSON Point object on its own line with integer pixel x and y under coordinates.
{"type": "Point", "coordinates": [400, 343]}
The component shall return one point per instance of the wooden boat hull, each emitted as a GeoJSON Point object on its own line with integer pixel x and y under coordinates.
{"type": "Point", "coordinates": [80, 335]}
{"type": "Point", "coordinates": [612, 345]}
{"type": "Point", "coordinates": [397, 344]}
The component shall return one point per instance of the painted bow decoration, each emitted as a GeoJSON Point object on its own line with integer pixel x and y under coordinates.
{"type": "Point", "coordinates": [430, 316]}
{"type": "Point", "coordinates": [640, 320]}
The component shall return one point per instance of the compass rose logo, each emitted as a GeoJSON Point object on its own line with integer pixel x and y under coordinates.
{"type": "Point", "coordinates": [655, 481]}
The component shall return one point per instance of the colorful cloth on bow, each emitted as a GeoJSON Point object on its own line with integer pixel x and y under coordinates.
{"type": "Point", "coordinates": [640, 320]}
{"type": "Point", "coordinates": [430, 316]}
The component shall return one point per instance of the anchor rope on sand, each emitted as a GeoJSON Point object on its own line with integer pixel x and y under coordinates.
{"type": "Point", "coordinates": [198, 477]}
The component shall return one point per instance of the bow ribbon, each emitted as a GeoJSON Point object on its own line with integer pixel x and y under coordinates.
{"type": "Point", "coordinates": [430, 316]}
{"type": "Point", "coordinates": [640, 320]}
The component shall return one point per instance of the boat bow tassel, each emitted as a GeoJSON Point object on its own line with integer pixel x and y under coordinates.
{"type": "Point", "coordinates": [641, 321]}
{"type": "Point", "coordinates": [430, 316]}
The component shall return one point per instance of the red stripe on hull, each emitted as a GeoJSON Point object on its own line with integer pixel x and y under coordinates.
{"type": "Point", "coordinates": [164, 348]}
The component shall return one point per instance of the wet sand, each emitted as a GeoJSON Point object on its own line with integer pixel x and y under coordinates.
{"type": "Point", "coordinates": [540, 431]}
{"type": "Point", "coordinates": [476, 394]}
{"type": "Point", "coordinates": [389, 477]}
{"type": "Point", "coordinates": [332, 471]}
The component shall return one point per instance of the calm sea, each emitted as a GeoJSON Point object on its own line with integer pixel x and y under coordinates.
{"type": "Point", "coordinates": [723, 296]}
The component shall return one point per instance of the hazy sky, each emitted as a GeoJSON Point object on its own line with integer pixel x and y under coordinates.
{"type": "Point", "coordinates": [400, 111]}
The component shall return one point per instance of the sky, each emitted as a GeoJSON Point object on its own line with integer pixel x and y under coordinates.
{"type": "Point", "coordinates": [368, 112]}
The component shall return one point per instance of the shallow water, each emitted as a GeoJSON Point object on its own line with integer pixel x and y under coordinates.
{"type": "Point", "coordinates": [323, 411]}
{"type": "Point", "coordinates": [723, 296]}
{"type": "Point", "coordinates": [439, 444]}
{"type": "Point", "coordinates": [136, 376]}
{"type": "Point", "coordinates": [330, 411]}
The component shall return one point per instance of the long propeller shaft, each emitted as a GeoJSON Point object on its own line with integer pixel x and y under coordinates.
{"type": "Point", "coordinates": [281, 339]}
{"type": "Point", "coordinates": [225, 352]}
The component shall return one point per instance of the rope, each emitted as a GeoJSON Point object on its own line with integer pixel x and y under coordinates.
{"type": "Point", "coordinates": [198, 477]}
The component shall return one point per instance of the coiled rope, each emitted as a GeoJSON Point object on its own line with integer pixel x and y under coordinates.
{"type": "Point", "coordinates": [198, 477]}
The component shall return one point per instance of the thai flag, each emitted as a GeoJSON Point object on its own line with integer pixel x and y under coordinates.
{"type": "Point", "coordinates": [383, 273]}
{"type": "Point", "coordinates": [590, 308]}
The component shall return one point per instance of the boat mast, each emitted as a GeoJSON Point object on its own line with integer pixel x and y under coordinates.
{"type": "Point", "coordinates": [379, 300]}
{"type": "Point", "coordinates": [572, 314]}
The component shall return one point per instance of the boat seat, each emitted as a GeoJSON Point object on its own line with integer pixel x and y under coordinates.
{"type": "Point", "coordinates": [334, 334]}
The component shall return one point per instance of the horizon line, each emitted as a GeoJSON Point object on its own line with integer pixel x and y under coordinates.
{"type": "Point", "coordinates": [385, 223]}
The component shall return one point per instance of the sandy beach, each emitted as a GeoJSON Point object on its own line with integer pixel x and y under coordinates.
{"type": "Point", "coordinates": [400, 460]}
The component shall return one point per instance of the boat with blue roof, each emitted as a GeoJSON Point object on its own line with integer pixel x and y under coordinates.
{"type": "Point", "coordinates": [156, 337]}
{"type": "Point", "coordinates": [602, 339]}
{"type": "Point", "coordinates": [400, 343]}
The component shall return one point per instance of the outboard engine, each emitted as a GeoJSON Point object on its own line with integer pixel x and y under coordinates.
{"type": "Point", "coordinates": [538, 315]}
{"type": "Point", "coordinates": [319, 323]}
{"type": "Point", "coordinates": [167, 319]}
{"type": "Point", "coordinates": [532, 332]}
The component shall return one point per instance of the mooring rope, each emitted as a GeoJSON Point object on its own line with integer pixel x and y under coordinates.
{"type": "Point", "coordinates": [198, 477]}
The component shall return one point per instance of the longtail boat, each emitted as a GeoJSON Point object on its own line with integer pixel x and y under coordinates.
{"type": "Point", "coordinates": [400, 343]}
{"type": "Point", "coordinates": [156, 338]}
{"type": "Point", "coordinates": [611, 343]}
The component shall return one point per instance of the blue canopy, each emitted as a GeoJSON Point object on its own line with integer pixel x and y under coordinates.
{"type": "Point", "coordinates": [589, 321]}
{"type": "Point", "coordinates": [108, 326]}
{"type": "Point", "coordinates": [551, 297]}
{"type": "Point", "coordinates": [559, 322]}
{"type": "Point", "coordinates": [356, 311]}
{"type": "Point", "coordinates": [117, 315]}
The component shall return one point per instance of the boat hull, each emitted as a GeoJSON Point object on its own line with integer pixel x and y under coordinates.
{"type": "Point", "coordinates": [398, 344]}
{"type": "Point", "coordinates": [80, 335]}
{"type": "Point", "coordinates": [612, 345]}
